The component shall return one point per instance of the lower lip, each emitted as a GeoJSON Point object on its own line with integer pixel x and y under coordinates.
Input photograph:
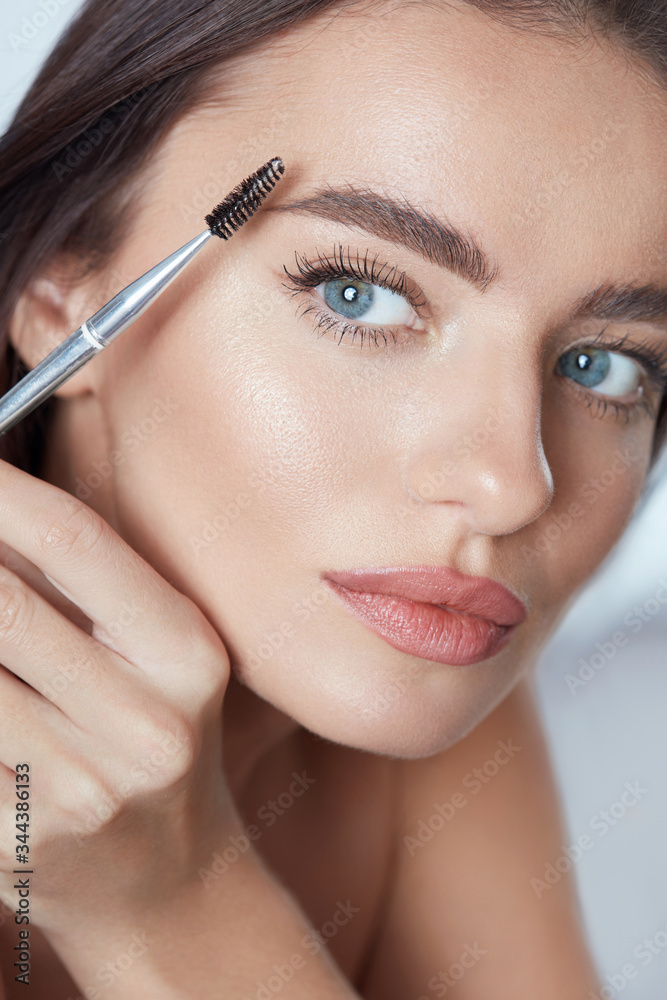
{"type": "Point", "coordinates": [427, 630]}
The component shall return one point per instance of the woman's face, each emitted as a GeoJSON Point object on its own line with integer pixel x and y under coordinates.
{"type": "Point", "coordinates": [241, 448]}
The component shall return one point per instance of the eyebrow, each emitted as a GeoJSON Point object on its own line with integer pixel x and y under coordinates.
{"type": "Point", "coordinates": [401, 223]}
{"type": "Point", "coordinates": [448, 246]}
{"type": "Point", "coordinates": [625, 304]}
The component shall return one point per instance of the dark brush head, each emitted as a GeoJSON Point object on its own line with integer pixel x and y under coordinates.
{"type": "Point", "coordinates": [244, 200]}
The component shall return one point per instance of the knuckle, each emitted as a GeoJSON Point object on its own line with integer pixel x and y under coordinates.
{"type": "Point", "coordinates": [16, 611]}
{"type": "Point", "coordinates": [209, 662]}
{"type": "Point", "coordinates": [73, 529]}
{"type": "Point", "coordinates": [211, 676]}
{"type": "Point", "coordinates": [213, 685]}
{"type": "Point", "coordinates": [88, 798]}
{"type": "Point", "coordinates": [182, 748]}
{"type": "Point", "coordinates": [166, 749]}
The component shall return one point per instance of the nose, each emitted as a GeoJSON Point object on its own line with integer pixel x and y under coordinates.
{"type": "Point", "coordinates": [482, 447]}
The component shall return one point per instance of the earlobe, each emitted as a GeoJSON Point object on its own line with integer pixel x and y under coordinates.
{"type": "Point", "coordinates": [47, 312]}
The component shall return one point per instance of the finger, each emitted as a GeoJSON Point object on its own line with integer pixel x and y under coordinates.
{"type": "Point", "coordinates": [25, 720]}
{"type": "Point", "coordinates": [75, 673]}
{"type": "Point", "coordinates": [134, 610]}
{"type": "Point", "coordinates": [36, 579]}
{"type": "Point", "coordinates": [34, 731]}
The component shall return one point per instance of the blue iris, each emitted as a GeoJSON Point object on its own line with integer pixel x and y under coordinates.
{"type": "Point", "coordinates": [348, 297]}
{"type": "Point", "coordinates": [589, 367]}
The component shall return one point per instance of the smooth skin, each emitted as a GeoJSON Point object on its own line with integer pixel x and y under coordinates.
{"type": "Point", "coordinates": [273, 454]}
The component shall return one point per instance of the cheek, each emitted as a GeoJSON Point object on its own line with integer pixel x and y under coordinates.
{"type": "Point", "coordinates": [599, 470]}
{"type": "Point", "coordinates": [295, 426]}
{"type": "Point", "coordinates": [274, 443]}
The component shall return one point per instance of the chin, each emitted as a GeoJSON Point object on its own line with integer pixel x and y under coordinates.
{"type": "Point", "coordinates": [418, 711]}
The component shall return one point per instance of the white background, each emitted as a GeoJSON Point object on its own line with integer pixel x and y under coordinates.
{"type": "Point", "coordinates": [604, 733]}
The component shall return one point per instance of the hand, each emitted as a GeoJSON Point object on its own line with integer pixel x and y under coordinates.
{"type": "Point", "coordinates": [111, 690]}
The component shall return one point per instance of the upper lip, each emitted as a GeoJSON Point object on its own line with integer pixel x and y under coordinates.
{"type": "Point", "coordinates": [474, 595]}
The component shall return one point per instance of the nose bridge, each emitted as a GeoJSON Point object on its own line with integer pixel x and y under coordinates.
{"type": "Point", "coordinates": [484, 448]}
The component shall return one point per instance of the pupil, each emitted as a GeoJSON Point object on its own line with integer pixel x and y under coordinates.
{"type": "Point", "coordinates": [350, 294]}
{"type": "Point", "coordinates": [584, 361]}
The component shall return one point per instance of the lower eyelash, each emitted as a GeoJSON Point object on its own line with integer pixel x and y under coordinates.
{"type": "Point", "coordinates": [328, 323]}
{"type": "Point", "coordinates": [627, 410]}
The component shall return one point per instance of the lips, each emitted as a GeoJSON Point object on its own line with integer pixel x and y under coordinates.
{"type": "Point", "coordinates": [474, 595]}
{"type": "Point", "coordinates": [435, 613]}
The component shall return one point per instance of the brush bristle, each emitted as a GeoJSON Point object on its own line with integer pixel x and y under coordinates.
{"type": "Point", "coordinates": [227, 217]}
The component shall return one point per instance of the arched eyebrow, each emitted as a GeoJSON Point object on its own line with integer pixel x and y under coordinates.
{"type": "Point", "coordinates": [401, 223]}
{"type": "Point", "coordinates": [625, 304]}
{"type": "Point", "coordinates": [448, 246]}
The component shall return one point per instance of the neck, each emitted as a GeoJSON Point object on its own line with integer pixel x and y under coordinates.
{"type": "Point", "coordinates": [252, 729]}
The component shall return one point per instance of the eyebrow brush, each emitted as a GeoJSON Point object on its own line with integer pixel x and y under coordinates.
{"type": "Point", "coordinates": [124, 308]}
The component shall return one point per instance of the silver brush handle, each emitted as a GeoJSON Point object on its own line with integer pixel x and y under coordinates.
{"type": "Point", "coordinates": [45, 378]}
{"type": "Point", "coordinates": [98, 331]}
{"type": "Point", "coordinates": [129, 304]}
{"type": "Point", "coordinates": [94, 335]}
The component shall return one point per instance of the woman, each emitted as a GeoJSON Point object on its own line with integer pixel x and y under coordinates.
{"type": "Point", "coordinates": [443, 324]}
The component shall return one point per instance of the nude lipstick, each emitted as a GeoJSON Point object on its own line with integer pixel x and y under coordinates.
{"type": "Point", "coordinates": [433, 612]}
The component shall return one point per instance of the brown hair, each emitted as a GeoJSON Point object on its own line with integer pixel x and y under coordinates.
{"type": "Point", "coordinates": [130, 69]}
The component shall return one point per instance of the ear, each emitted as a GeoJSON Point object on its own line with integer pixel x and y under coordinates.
{"type": "Point", "coordinates": [51, 308]}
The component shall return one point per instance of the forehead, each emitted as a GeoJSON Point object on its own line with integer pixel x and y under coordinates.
{"type": "Point", "coordinates": [546, 148]}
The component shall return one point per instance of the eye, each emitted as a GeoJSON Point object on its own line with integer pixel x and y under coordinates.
{"type": "Point", "coordinates": [360, 300]}
{"type": "Point", "coordinates": [607, 373]}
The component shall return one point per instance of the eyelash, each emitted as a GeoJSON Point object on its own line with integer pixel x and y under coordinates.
{"type": "Point", "coordinates": [343, 265]}
{"type": "Point", "coordinates": [311, 274]}
{"type": "Point", "coordinates": [654, 362]}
